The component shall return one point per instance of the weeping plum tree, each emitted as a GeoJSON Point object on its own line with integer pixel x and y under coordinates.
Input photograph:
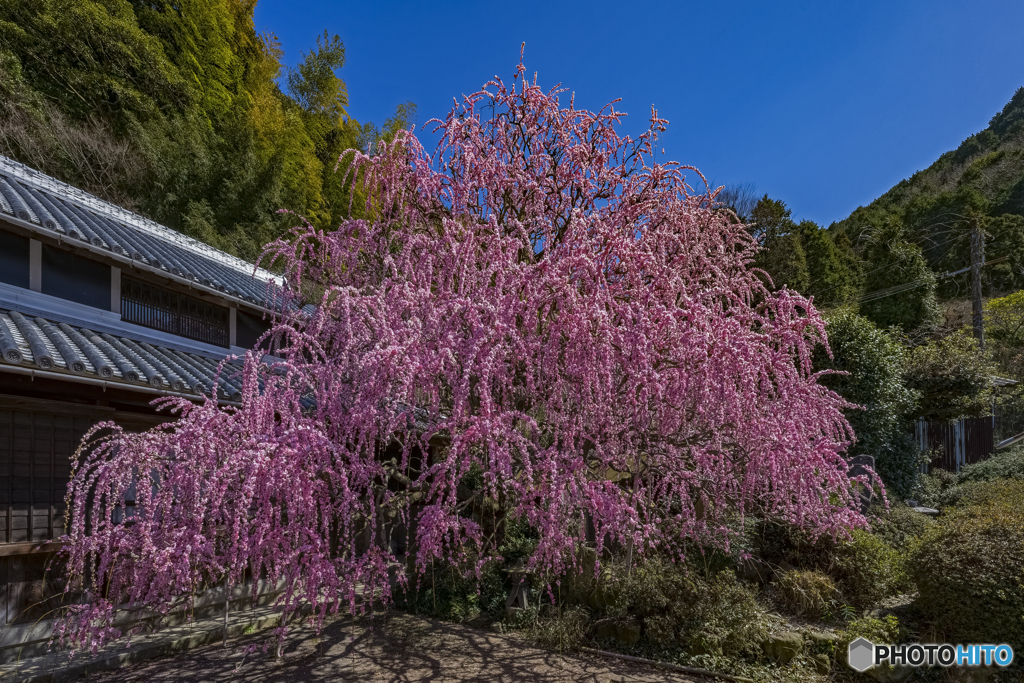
{"type": "Point", "coordinates": [556, 310]}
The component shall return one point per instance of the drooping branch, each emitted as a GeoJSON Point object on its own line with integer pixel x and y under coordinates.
{"type": "Point", "coordinates": [580, 331]}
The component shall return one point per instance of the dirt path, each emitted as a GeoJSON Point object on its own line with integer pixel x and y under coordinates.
{"type": "Point", "coordinates": [401, 647]}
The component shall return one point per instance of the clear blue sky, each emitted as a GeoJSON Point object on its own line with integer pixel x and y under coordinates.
{"type": "Point", "coordinates": [823, 104]}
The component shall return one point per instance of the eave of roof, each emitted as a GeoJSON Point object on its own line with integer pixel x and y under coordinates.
{"type": "Point", "coordinates": [37, 203]}
{"type": "Point", "coordinates": [39, 346]}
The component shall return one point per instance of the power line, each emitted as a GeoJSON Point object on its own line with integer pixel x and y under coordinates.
{"type": "Point", "coordinates": [907, 286]}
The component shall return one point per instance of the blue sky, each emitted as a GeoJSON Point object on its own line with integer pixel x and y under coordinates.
{"type": "Point", "coordinates": [823, 104]}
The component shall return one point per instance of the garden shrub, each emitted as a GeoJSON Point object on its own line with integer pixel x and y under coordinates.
{"type": "Point", "coordinates": [867, 570]}
{"type": "Point", "coordinates": [674, 604]}
{"type": "Point", "coordinates": [788, 547]}
{"type": "Point", "coordinates": [864, 568]}
{"type": "Point", "coordinates": [453, 593]}
{"type": "Point", "coordinates": [1007, 465]}
{"type": "Point", "coordinates": [877, 630]}
{"type": "Point", "coordinates": [969, 569]}
{"type": "Point", "coordinates": [900, 526]}
{"type": "Point", "coordinates": [808, 592]}
{"type": "Point", "coordinates": [940, 488]}
{"type": "Point", "coordinates": [931, 487]}
{"type": "Point", "coordinates": [559, 628]}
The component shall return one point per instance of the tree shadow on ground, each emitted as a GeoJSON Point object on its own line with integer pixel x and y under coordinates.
{"type": "Point", "coordinates": [396, 647]}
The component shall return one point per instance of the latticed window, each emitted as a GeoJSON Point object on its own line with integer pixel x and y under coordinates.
{"type": "Point", "coordinates": [180, 314]}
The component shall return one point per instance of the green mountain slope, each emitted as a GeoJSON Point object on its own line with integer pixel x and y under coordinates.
{"type": "Point", "coordinates": [981, 181]}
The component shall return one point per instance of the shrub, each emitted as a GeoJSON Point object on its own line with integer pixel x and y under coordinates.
{"type": "Point", "coordinates": [1007, 465]}
{"type": "Point", "coordinates": [969, 569]}
{"type": "Point", "coordinates": [900, 526]}
{"type": "Point", "coordinates": [940, 488]}
{"type": "Point", "coordinates": [931, 486]}
{"type": "Point", "coordinates": [884, 630]}
{"type": "Point", "coordinates": [808, 592]}
{"type": "Point", "coordinates": [559, 628]}
{"type": "Point", "coordinates": [453, 593]}
{"type": "Point", "coordinates": [674, 604]}
{"type": "Point", "coordinates": [784, 546]}
{"type": "Point", "coordinates": [865, 569]}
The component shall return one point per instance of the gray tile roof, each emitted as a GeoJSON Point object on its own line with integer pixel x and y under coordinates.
{"type": "Point", "coordinates": [57, 347]}
{"type": "Point", "coordinates": [55, 207]}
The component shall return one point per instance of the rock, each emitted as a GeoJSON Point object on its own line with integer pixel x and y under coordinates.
{"type": "Point", "coordinates": [625, 632]}
{"type": "Point", "coordinates": [822, 664]}
{"type": "Point", "coordinates": [863, 465]}
{"type": "Point", "coordinates": [931, 512]}
{"type": "Point", "coordinates": [783, 647]}
{"type": "Point", "coordinates": [821, 640]}
{"type": "Point", "coordinates": [497, 627]}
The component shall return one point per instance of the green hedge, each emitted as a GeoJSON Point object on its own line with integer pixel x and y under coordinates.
{"type": "Point", "coordinates": [678, 609]}
{"type": "Point", "coordinates": [900, 526]}
{"type": "Point", "coordinates": [969, 569]}
{"type": "Point", "coordinates": [1006, 465]}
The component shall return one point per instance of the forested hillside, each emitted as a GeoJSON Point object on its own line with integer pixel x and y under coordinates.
{"type": "Point", "coordinates": [173, 109]}
{"type": "Point", "coordinates": [982, 180]}
{"type": "Point", "coordinates": [892, 260]}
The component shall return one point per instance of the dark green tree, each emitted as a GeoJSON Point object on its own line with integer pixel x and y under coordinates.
{"type": "Point", "coordinates": [833, 270]}
{"type": "Point", "coordinates": [953, 377]}
{"type": "Point", "coordinates": [870, 374]}
{"type": "Point", "coordinates": [782, 255]}
{"type": "Point", "coordinates": [899, 287]}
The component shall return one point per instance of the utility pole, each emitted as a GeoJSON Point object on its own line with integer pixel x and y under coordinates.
{"type": "Point", "coordinates": [977, 258]}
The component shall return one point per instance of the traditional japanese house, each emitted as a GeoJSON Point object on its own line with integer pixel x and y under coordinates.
{"type": "Point", "coordinates": [101, 311]}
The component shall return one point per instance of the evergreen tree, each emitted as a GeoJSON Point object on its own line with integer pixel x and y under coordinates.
{"type": "Point", "coordinates": [782, 255]}
{"type": "Point", "coordinates": [833, 276]}
{"type": "Point", "coordinates": [873, 361]}
{"type": "Point", "coordinates": [900, 287]}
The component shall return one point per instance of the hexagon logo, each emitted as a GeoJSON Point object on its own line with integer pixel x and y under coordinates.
{"type": "Point", "coordinates": [860, 654]}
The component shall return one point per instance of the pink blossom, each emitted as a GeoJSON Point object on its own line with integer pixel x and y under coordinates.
{"type": "Point", "coordinates": [541, 301]}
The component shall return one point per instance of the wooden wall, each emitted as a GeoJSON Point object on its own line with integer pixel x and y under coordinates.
{"type": "Point", "coordinates": [955, 444]}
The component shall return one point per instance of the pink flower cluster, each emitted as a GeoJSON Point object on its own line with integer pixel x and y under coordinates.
{"type": "Point", "coordinates": [546, 305]}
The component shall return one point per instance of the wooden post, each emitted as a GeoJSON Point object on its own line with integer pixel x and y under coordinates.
{"type": "Point", "coordinates": [227, 607]}
{"type": "Point", "coordinates": [977, 258]}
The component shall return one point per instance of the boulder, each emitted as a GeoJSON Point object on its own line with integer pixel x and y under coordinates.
{"type": "Point", "coordinates": [783, 647]}
{"type": "Point", "coordinates": [821, 641]}
{"type": "Point", "coordinates": [822, 664]}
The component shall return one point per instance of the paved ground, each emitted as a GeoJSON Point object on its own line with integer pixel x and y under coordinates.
{"type": "Point", "coordinates": [402, 648]}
